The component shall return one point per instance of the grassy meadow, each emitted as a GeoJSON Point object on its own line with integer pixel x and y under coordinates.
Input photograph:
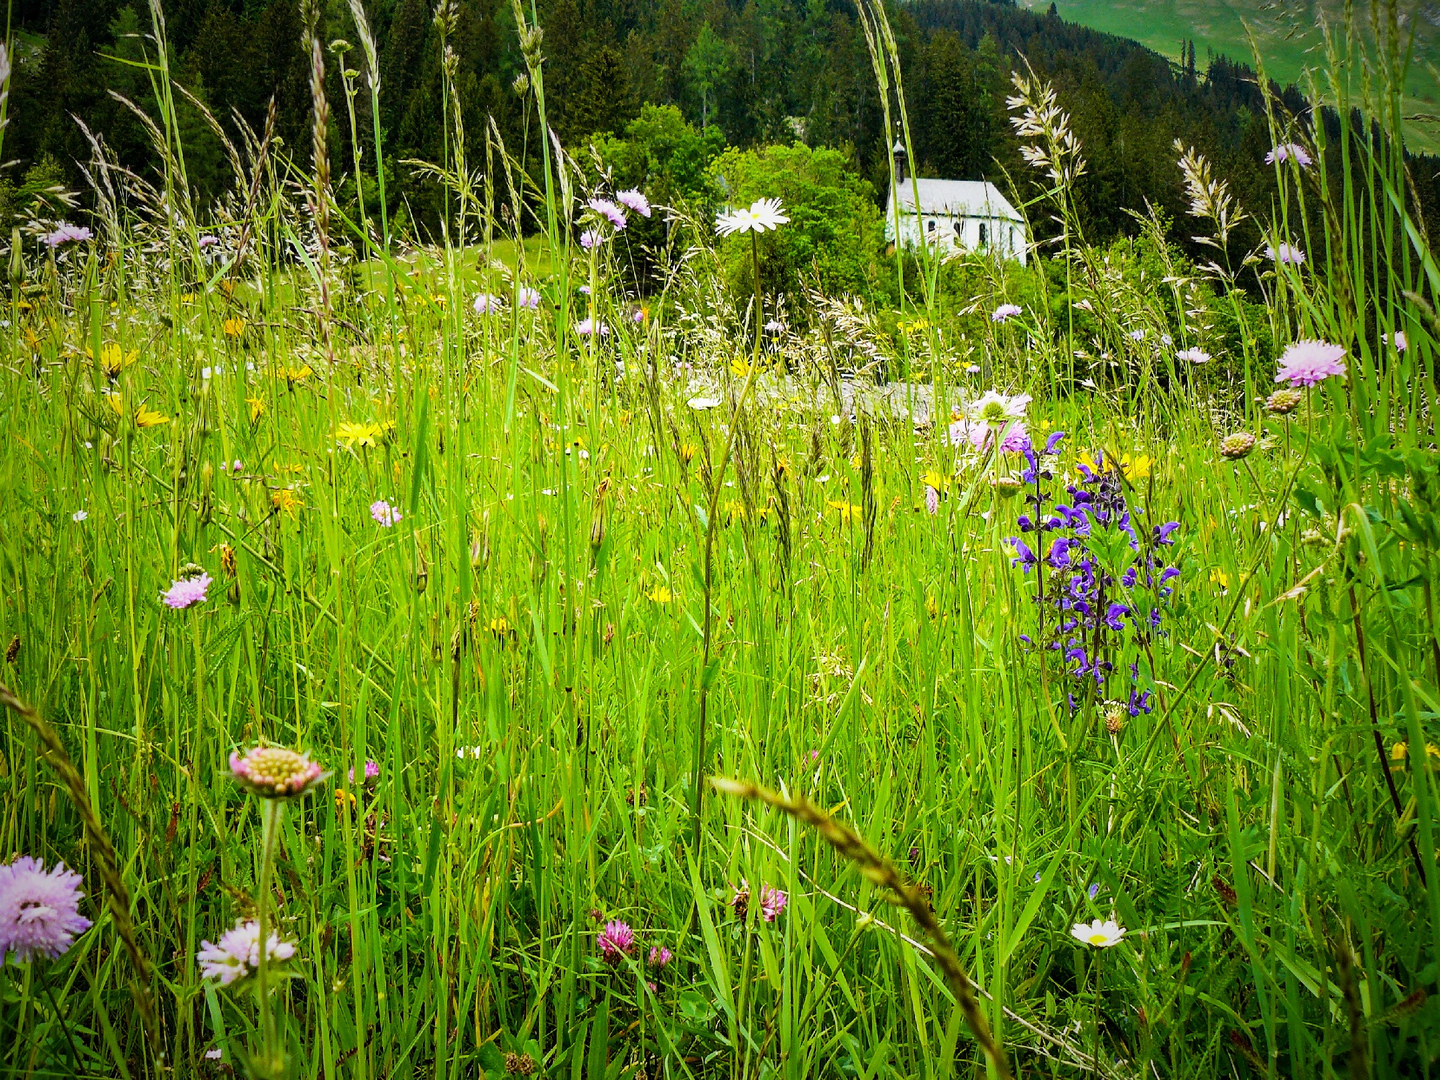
{"type": "Point", "coordinates": [549, 583]}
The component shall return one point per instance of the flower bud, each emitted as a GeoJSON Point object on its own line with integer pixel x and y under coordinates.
{"type": "Point", "coordinates": [1283, 402]}
{"type": "Point", "coordinates": [17, 260]}
{"type": "Point", "coordinates": [1237, 446]}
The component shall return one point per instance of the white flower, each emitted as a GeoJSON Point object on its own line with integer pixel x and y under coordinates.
{"type": "Point", "coordinates": [1195, 356]}
{"type": "Point", "coordinates": [1099, 934]}
{"type": "Point", "coordinates": [79, 515]}
{"type": "Point", "coordinates": [237, 953]}
{"type": "Point", "coordinates": [993, 407]}
{"type": "Point", "coordinates": [702, 403]}
{"type": "Point", "coordinates": [763, 215]}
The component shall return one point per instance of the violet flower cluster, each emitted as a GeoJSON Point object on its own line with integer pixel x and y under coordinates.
{"type": "Point", "coordinates": [1088, 604]}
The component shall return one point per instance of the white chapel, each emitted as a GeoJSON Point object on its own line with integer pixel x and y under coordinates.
{"type": "Point", "coordinates": [954, 215]}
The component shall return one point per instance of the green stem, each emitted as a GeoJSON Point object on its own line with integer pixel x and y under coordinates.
{"type": "Point", "coordinates": [271, 1060]}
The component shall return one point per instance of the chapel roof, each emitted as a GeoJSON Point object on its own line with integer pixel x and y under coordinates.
{"type": "Point", "coordinates": [957, 198]}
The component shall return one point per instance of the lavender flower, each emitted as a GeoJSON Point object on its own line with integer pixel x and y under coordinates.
{"type": "Point", "coordinates": [634, 200]}
{"type": "Point", "coordinates": [589, 238]}
{"type": "Point", "coordinates": [1398, 340]}
{"type": "Point", "coordinates": [660, 956]}
{"type": "Point", "coordinates": [208, 241]}
{"type": "Point", "coordinates": [384, 514]}
{"type": "Point", "coordinates": [237, 954]}
{"type": "Point", "coordinates": [39, 910]}
{"type": "Point", "coordinates": [586, 327]}
{"type": "Point", "coordinates": [187, 592]}
{"type": "Point", "coordinates": [1288, 152]}
{"type": "Point", "coordinates": [1005, 312]}
{"type": "Point", "coordinates": [609, 210]}
{"type": "Point", "coordinates": [273, 772]}
{"type": "Point", "coordinates": [486, 304]}
{"type": "Point", "coordinates": [615, 940]}
{"type": "Point", "coordinates": [1286, 254]}
{"type": "Point", "coordinates": [1308, 362]}
{"type": "Point", "coordinates": [527, 297]}
{"type": "Point", "coordinates": [66, 234]}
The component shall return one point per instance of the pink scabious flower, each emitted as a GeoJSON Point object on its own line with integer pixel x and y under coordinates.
{"type": "Point", "coordinates": [1288, 152]}
{"type": "Point", "coordinates": [772, 902]}
{"type": "Point", "coordinates": [39, 910]}
{"type": "Point", "coordinates": [1308, 362]}
{"type": "Point", "coordinates": [273, 772]}
{"type": "Point", "coordinates": [586, 327]}
{"type": "Point", "coordinates": [187, 592]}
{"type": "Point", "coordinates": [1004, 313]}
{"type": "Point", "coordinates": [487, 304]}
{"type": "Point", "coordinates": [1397, 339]}
{"type": "Point", "coordinates": [372, 771]}
{"type": "Point", "coordinates": [660, 956]}
{"type": "Point", "coordinates": [1195, 356]}
{"type": "Point", "coordinates": [384, 514]}
{"type": "Point", "coordinates": [613, 213]}
{"type": "Point", "coordinates": [237, 954]}
{"type": "Point", "coordinates": [527, 298]}
{"type": "Point", "coordinates": [67, 233]}
{"type": "Point", "coordinates": [208, 241]}
{"type": "Point", "coordinates": [589, 238]}
{"type": "Point", "coordinates": [615, 940]}
{"type": "Point", "coordinates": [932, 500]}
{"type": "Point", "coordinates": [634, 200]}
{"type": "Point", "coordinates": [1286, 254]}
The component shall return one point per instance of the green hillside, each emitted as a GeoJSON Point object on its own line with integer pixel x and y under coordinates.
{"type": "Point", "coordinates": [1287, 33]}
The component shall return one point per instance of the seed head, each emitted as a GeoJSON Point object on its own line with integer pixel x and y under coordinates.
{"type": "Point", "coordinates": [1283, 402]}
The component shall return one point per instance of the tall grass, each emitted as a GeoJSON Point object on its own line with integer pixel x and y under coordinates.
{"type": "Point", "coordinates": [572, 579]}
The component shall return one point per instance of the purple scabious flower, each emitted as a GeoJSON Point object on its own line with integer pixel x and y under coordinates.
{"type": "Point", "coordinates": [187, 592]}
{"type": "Point", "coordinates": [486, 304]}
{"type": "Point", "coordinates": [237, 953]}
{"type": "Point", "coordinates": [586, 327]}
{"type": "Point", "coordinates": [527, 298]}
{"type": "Point", "coordinates": [1308, 362]}
{"type": "Point", "coordinates": [772, 903]}
{"type": "Point", "coordinates": [66, 234]}
{"type": "Point", "coordinates": [660, 956]}
{"type": "Point", "coordinates": [39, 909]}
{"type": "Point", "coordinates": [1288, 152]}
{"type": "Point", "coordinates": [609, 210]}
{"type": "Point", "coordinates": [1004, 313]}
{"type": "Point", "coordinates": [384, 514]}
{"type": "Point", "coordinates": [615, 940]}
{"type": "Point", "coordinates": [634, 200]}
{"type": "Point", "coordinates": [589, 238]}
{"type": "Point", "coordinates": [1286, 254]}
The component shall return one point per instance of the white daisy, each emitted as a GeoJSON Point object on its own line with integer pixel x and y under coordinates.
{"type": "Point", "coordinates": [762, 216]}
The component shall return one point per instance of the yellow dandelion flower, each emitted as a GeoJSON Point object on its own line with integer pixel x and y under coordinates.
{"type": "Point", "coordinates": [438, 300]}
{"type": "Point", "coordinates": [937, 480]}
{"type": "Point", "coordinates": [848, 511]}
{"type": "Point", "coordinates": [285, 499]}
{"type": "Point", "coordinates": [187, 298]}
{"type": "Point", "coordinates": [687, 452]}
{"type": "Point", "coordinates": [1220, 577]}
{"type": "Point", "coordinates": [739, 368]}
{"type": "Point", "coordinates": [257, 407]}
{"type": "Point", "coordinates": [233, 327]}
{"type": "Point", "coordinates": [352, 433]}
{"type": "Point", "coordinates": [24, 305]}
{"type": "Point", "coordinates": [659, 594]}
{"type": "Point", "coordinates": [294, 375]}
{"type": "Point", "coordinates": [1400, 751]}
{"type": "Point", "coordinates": [1133, 466]}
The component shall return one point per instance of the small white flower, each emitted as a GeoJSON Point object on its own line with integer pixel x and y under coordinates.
{"type": "Point", "coordinates": [79, 515]}
{"type": "Point", "coordinates": [993, 407]}
{"type": "Point", "coordinates": [762, 216]}
{"type": "Point", "coordinates": [1099, 934]}
{"type": "Point", "coordinates": [702, 403]}
{"type": "Point", "coordinates": [1195, 356]}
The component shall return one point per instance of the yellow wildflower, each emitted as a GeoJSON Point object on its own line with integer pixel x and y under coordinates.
{"type": "Point", "coordinates": [687, 452]}
{"type": "Point", "coordinates": [146, 417]}
{"type": "Point", "coordinates": [233, 327]}
{"type": "Point", "coordinates": [1220, 577]}
{"type": "Point", "coordinates": [659, 594]}
{"type": "Point", "coordinates": [848, 511]}
{"type": "Point", "coordinates": [352, 433]}
{"type": "Point", "coordinates": [1133, 466]}
{"type": "Point", "coordinates": [112, 359]}
{"type": "Point", "coordinates": [257, 407]}
{"type": "Point", "coordinates": [739, 368]}
{"type": "Point", "coordinates": [937, 480]}
{"type": "Point", "coordinates": [294, 375]}
{"type": "Point", "coordinates": [286, 499]}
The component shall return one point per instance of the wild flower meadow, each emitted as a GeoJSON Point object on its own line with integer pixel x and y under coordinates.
{"type": "Point", "coordinates": [455, 660]}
